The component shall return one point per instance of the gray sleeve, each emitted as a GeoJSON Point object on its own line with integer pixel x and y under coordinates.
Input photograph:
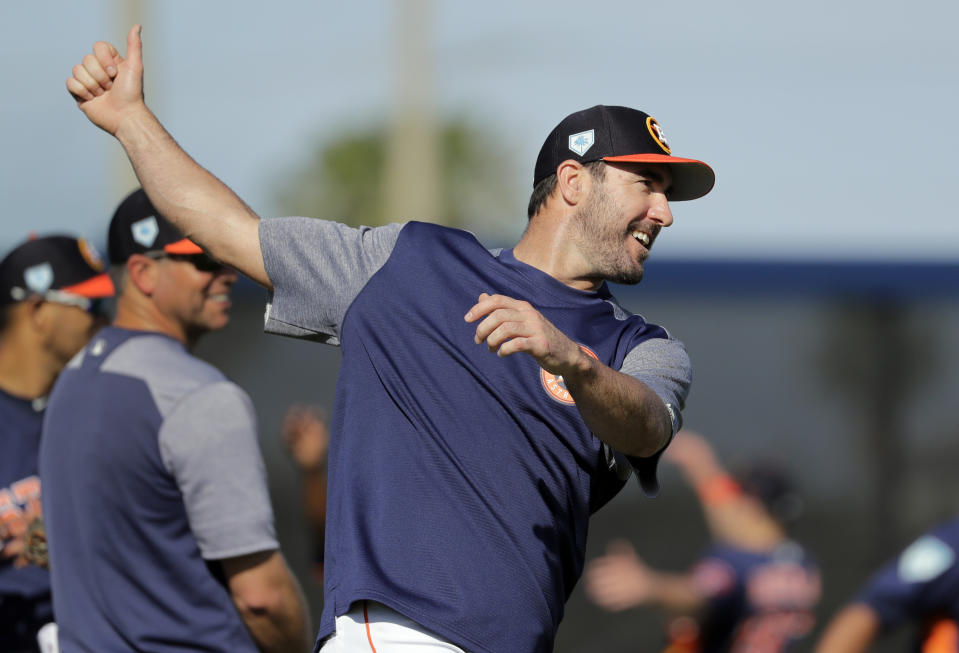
{"type": "Point", "coordinates": [317, 268]}
{"type": "Point", "coordinates": [208, 443]}
{"type": "Point", "coordinates": [663, 365]}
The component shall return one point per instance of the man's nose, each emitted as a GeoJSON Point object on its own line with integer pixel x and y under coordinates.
{"type": "Point", "coordinates": [659, 212]}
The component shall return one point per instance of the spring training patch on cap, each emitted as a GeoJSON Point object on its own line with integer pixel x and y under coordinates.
{"type": "Point", "coordinates": [38, 278]}
{"type": "Point", "coordinates": [145, 231]}
{"type": "Point", "coordinates": [581, 142]}
{"type": "Point", "coordinates": [555, 386]}
{"type": "Point", "coordinates": [657, 133]}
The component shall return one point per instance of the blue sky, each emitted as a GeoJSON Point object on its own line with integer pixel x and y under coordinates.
{"type": "Point", "coordinates": [831, 126]}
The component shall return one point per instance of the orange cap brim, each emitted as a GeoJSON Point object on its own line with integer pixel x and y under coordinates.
{"type": "Point", "coordinates": [691, 178]}
{"type": "Point", "coordinates": [185, 246]}
{"type": "Point", "coordinates": [98, 286]}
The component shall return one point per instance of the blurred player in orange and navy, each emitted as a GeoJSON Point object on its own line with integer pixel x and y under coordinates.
{"type": "Point", "coordinates": [754, 590]}
{"type": "Point", "coordinates": [50, 289]}
{"type": "Point", "coordinates": [920, 586]}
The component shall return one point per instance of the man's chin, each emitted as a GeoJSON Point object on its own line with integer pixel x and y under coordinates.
{"type": "Point", "coordinates": [216, 322]}
{"type": "Point", "coordinates": [629, 278]}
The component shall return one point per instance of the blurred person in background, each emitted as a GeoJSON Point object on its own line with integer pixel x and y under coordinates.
{"type": "Point", "coordinates": [307, 436]}
{"type": "Point", "coordinates": [159, 522]}
{"type": "Point", "coordinates": [753, 590]}
{"type": "Point", "coordinates": [920, 586]}
{"type": "Point", "coordinates": [50, 292]}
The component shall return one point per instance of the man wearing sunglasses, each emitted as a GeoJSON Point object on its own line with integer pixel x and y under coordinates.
{"type": "Point", "coordinates": [50, 289]}
{"type": "Point", "coordinates": [159, 519]}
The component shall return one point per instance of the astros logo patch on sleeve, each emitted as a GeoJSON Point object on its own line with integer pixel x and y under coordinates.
{"type": "Point", "coordinates": [555, 386]}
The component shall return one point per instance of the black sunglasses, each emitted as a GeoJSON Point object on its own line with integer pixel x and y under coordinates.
{"type": "Point", "coordinates": [202, 262]}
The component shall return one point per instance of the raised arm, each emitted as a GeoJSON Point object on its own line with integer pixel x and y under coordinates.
{"type": "Point", "coordinates": [108, 88]}
{"type": "Point", "coordinates": [733, 517]}
{"type": "Point", "coordinates": [851, 631]}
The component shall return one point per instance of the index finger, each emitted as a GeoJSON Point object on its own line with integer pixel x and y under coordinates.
{"type": "Point", "coordinates": [477, 311]}
{"type": "Point", "coordinates": [108, 57]}
{"type": "Point", "coordinates": [487, 304]}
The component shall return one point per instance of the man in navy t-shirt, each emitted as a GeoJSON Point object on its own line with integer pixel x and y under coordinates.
{"type": "Point", "coordinates": [920, 586]}
{"type": "Point", "coordinates": [488, 401]}
{"type": "Point", "coordinates": [50, 289]}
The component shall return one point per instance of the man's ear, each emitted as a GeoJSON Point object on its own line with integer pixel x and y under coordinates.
{"type": "Point", "coordinates": [142, 272]}
{"type": "Point", "coordinates": [33, 308]}
{"type": "Point", "coordinates": [572, 182]}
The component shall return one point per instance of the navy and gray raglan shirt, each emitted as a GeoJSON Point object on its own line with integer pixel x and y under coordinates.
{"type": "Point", "coordinates": [151, 473]}
{"type": "Point", "coordinates": [461, 483]}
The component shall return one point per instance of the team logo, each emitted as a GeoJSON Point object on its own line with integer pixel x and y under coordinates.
{"type": "Point", "coordinates": [925, 559]}
{"type": "Point", "coordinates": [657, 133]}
{"type": "Point", "coordinates": [145, 231]}
{"type": "Point", "coordinates": [555, 386]}
{"type": "Point", "coordinates": [581, 142]}
{"type": "Point", "coordinates": [98, 347]}
{"type": "Point", "coordinates": [39, 278]}
{"type": "Point", "coordinates": [90, 254]}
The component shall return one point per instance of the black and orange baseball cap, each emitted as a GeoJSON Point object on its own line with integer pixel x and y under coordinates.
{"type": "Point", "coordinates": [137, 228]}
{"type": "Point", "coordinates": [55, 264]}
{"type": "Point", "coordinates": [624, 135]}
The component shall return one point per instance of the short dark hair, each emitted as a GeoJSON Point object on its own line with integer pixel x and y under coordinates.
{"type": "Point", "coordinates": [118, 275]}
{"type": "Point", "coordinates": [547, 185]}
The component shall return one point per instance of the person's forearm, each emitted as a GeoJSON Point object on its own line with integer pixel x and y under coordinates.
{"type": "Point", "coordinates": [198, 203]}
{"type": "Point", "coordinates": [621, 411]}
{"type": "Point", "coordinates": [279, 624]}
{"type": "Point", "coordinates": [675, 592]}
{"type": "Point", "coordinates": [851, 631]}
{"type": "Point", "coordinates": [269, 601]}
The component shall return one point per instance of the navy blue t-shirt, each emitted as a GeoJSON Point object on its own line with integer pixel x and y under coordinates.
{"type": "Point", "coordinates": [921, 585]}
{"type": "Point", "coordinates": [461, 483]}
{"type": "Point", "coordinates": [24, 592]}
{"type": "Point", "coordinates": [760, 602]}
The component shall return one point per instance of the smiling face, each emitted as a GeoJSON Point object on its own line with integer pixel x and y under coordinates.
{"type": "Point", "coordinates": [198, 300]}
{"type": "Point", "coordinates": [620, 219]}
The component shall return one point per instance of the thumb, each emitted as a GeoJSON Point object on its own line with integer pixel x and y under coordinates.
{"type": "Point", "coordinates": [135, 47]}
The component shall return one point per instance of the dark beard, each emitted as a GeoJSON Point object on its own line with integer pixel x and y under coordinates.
{"type": "Point", "coordinates": [602, 244]}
